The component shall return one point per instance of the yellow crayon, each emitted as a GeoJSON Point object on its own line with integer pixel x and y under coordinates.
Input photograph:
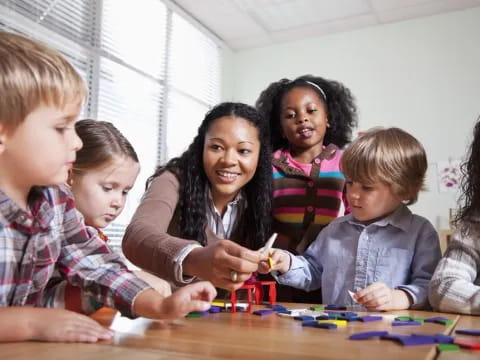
{"type": "Point", "coordinates": [270, 262]}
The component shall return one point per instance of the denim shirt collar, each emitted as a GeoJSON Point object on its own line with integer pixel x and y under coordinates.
{"type": "Point", "coordinates": [400, 218]}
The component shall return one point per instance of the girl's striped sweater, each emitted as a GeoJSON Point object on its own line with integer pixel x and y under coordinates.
{"type": "Point", "coordinates": [306, 196]}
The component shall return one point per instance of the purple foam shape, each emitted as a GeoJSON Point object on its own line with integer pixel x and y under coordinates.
{"type": "Point", "coordinates": [408, 340]}
{"type": "Point", "coordinates": [439, 338]}
{"type": "Point", "coordinates": [475, 332]}
{"type": "Point", "coordinates": [304, 317]}
{"type": "Point", "coordinates": [370, 318]}
{"type": "Point", "coordinates": [349, 318]}
{"type": "Point", "coordinates": [215, 309]}
{"type": "Point", "coordinates": [316, 324]}
{"type": "Point", "coordinates": [349, 314]}
{"type": "Point", "coordinates": [263, 312]}
{"type": "Point", "coordinates": [368, 335]}
{"type": "Point", "coordinates": [406, 323]}
{"type": "Point", "coordinates": [335, 307]}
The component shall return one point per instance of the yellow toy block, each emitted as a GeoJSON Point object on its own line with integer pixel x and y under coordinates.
{"type": "Point", "coordinates": [218, 303]}
{"type": "Point", "coordinates": [336, 322]}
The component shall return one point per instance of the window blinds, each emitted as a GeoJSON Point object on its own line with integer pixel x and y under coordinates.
{"type": "Point", "coordinates": [149, 71]}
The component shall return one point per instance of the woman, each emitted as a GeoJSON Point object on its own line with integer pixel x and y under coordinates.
{"type": "Point", "coordinates": [204, 210]}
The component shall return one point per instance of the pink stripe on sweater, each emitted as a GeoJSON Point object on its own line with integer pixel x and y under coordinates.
{"type": "Point", "coordinates": [289, 192]}
{"type": "Point", "coordinates": [328, 192]}
{"type": "Point", "coordinates": [301, 210]}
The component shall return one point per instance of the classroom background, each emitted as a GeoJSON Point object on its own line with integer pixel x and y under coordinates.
{"type": "Point", "coordinates": [154, 67]}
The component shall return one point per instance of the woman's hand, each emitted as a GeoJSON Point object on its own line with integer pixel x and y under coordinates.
{"type": "Point", "coordinates": [216, 262]}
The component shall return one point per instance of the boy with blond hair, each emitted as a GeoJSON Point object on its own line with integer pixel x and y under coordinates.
{"type": "Point", "coordinates": [381, 250]}
{"type": "Point", "coordinates": [40, 99]}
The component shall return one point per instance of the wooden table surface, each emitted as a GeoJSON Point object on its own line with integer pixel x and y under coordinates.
{"type": "Point", "coordinates": [239, 336]}
{"type": "Point", "coordinates": [465, 322]}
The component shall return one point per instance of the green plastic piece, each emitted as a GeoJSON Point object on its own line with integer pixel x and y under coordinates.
{"type": "Point", "coordinates": [194, 315]}
{"type": "Point", "coordinates": [317, 308]}
{"type": "Point", "coordinates": [448, 347]}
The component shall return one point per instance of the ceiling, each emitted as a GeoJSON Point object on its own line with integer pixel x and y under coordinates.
{"type": "Point", "coordinates": [243, 24]}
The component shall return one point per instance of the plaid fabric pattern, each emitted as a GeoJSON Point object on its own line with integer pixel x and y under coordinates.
{"type": "Point", "coordinates": [52, 233]}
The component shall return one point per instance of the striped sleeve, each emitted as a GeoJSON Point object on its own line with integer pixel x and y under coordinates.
{"type": "Point", "coordinates": [454, 286]}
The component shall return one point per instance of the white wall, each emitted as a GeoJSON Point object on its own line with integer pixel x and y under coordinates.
{"type": "Point", "coordinates": [421, 75]}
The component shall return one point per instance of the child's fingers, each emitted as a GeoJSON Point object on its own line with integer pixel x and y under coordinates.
{"type": "Point", "coordinates": [369, 289]}
{"type": "Point", "coordinates": [264, 267]}
{"type": "Point", "coordinates": [376, 301]}
{"type": "Point", "coordinates": [202, 290]}
{"type": "Point", "coordinates": [198, 305]}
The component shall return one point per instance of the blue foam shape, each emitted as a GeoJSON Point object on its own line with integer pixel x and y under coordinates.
{"type": "Point", "coordinates": [475, 332]}
{"type": "Point", "coordinates": [263, 312]}
{"type": "Point", "coordinates": [368, 335]}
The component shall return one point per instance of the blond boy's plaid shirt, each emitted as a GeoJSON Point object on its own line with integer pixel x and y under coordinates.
{"type": "Point", "coordinates": [52, 233]}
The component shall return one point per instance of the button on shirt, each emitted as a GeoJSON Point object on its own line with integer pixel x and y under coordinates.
{"type": "Point", "coordinates": [32, 243]}
{"type": "Point", "coordinates": [401, 250]}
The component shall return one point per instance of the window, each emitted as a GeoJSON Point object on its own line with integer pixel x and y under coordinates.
{"type": "Point", "coordinates": [149, 71]}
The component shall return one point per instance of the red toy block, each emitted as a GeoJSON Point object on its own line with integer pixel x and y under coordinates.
{"type": "Point", "coordinates": [272, 291]}
{"type": "Point", "coordinates": [233, 297]}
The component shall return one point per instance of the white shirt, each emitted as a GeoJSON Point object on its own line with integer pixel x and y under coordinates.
{"type": "Point", "coordinates": [222, 226]}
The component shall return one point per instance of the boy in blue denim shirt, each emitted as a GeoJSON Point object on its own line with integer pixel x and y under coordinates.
{"type": "Point", "coordinates": [381, 251]}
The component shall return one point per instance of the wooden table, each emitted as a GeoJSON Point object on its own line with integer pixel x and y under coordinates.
{"type": "Point", "coordinates": [465, 322]}
{"type": "Point", "coordinates": [236, 336]}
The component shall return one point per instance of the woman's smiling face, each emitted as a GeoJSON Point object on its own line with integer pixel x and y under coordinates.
{"type": "Point", "coordinates": [230, 156]}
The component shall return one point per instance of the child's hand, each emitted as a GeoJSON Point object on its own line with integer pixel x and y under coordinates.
{"type": "Point", "coordinates": [60, 325]}
{"type": "Point", "coordinates": [280, 261]}
{"type": "Point", "coordinates": [193, 297]}
{"type": "Point", "coordinates": [379, 296]}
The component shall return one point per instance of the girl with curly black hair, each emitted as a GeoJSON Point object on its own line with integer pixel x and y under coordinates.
{"type": "Point", "coordinates": [455, 285]}
{"type": "Point", "coordinates": [220, 188]}
{"type": "Point", "coordinates": [310, 119]}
